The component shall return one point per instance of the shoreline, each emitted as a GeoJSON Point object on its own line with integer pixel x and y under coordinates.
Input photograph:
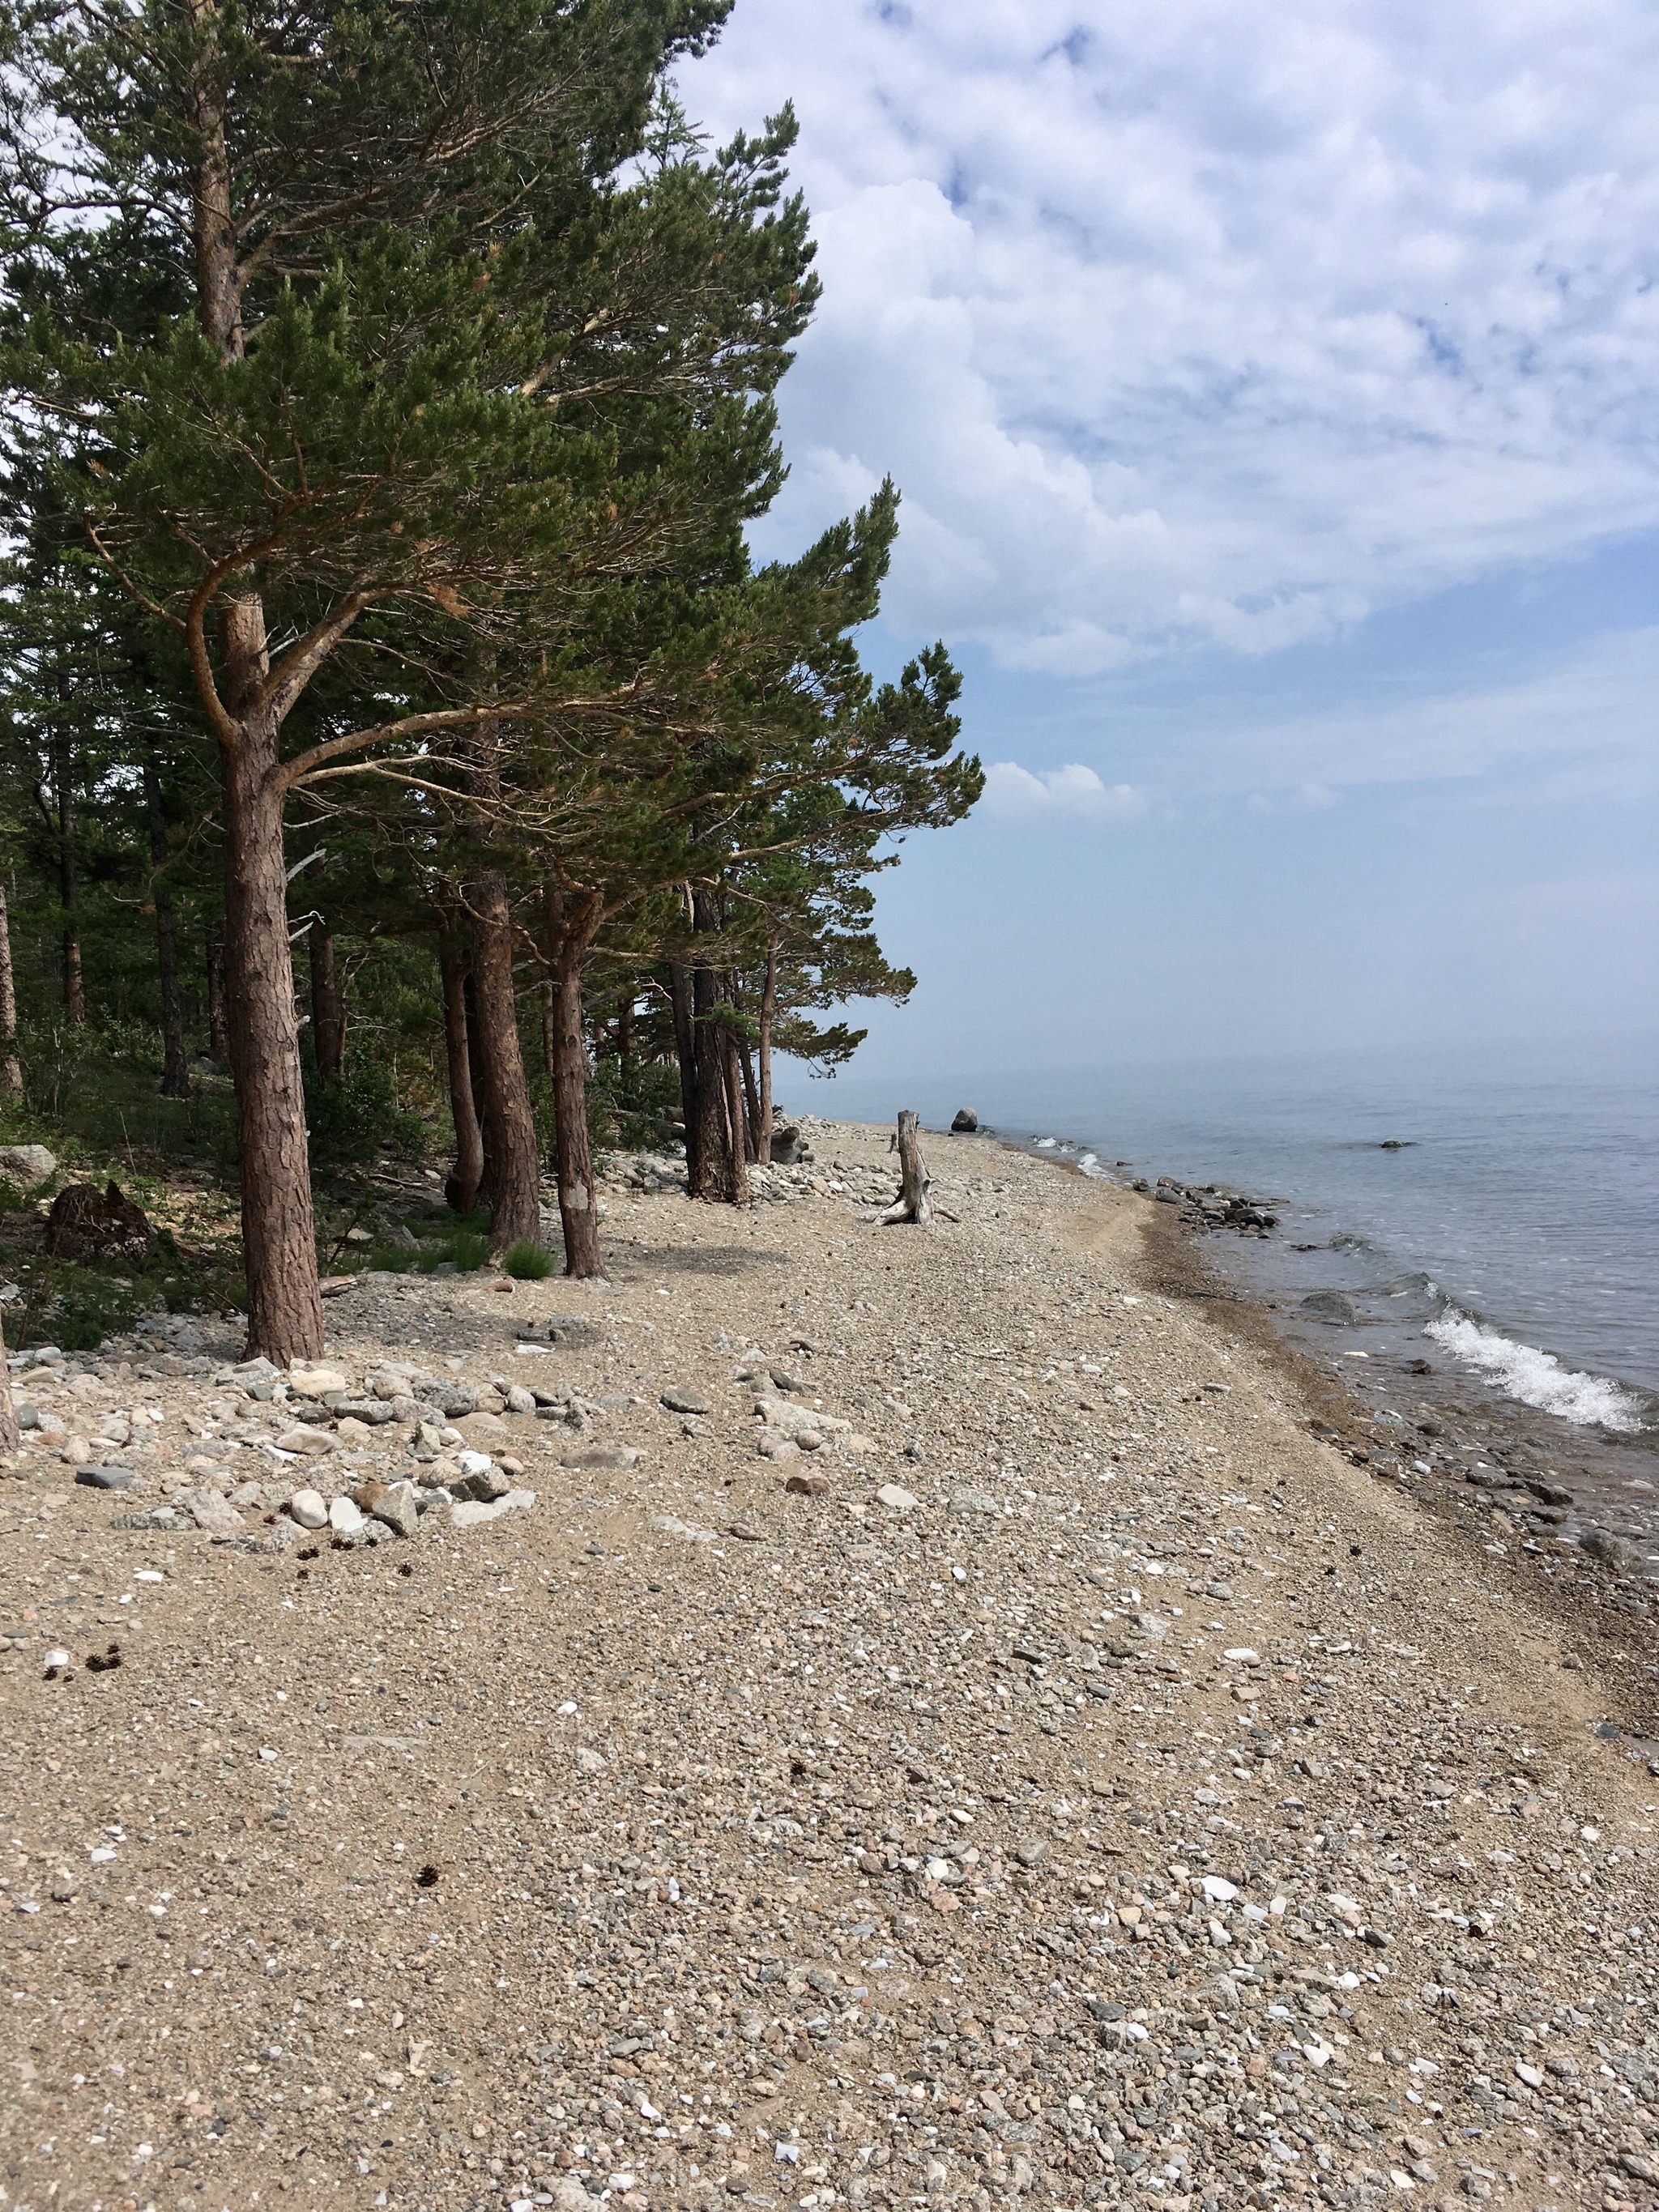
{"type": "Point", "coordinates": [1019, 1765]}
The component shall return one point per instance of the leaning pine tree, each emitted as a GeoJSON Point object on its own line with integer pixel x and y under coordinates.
{"type": "Point", "coordinates": [340, 332]}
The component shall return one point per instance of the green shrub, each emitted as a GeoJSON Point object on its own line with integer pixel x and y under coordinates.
{"type": "Point", "coordinates": [356, 1118]}
{"type": "Point", "coordinates": [527, 1262]}
{"type": "Point", "coordinates": [466, 1250]}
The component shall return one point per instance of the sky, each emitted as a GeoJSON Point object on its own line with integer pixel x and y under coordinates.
{"type": "Point", "coordinates": [1271, 392]}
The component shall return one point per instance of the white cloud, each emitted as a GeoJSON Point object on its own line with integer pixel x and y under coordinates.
{"type": "Point", "coordinates": [1224, 320]}
{"type": "Point", "coordinates": [1073, 792]}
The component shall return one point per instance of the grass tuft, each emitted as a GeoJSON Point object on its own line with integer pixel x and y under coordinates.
{"type": "Point", "coordinates": [529, 1262]}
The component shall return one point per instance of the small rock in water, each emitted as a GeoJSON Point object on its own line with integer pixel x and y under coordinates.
{"type": "Point", "coordinates": [1331, 1306]}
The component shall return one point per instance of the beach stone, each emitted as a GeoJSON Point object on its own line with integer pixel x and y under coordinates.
{"type": "Point", "coordinates": [397, 1506]}
{"type": "Point", "coordinates": [808, 1486]}
{"type": "Point", "coordinates": [599, 1459]}
{"type": "Point", "coordinates": [519, 1399]}
{"type": "Point", "coordinates": [309, 1508]}
{"type": "Point", "coordinates": [77, 1451]}
{"type": "Point", "coordinates": [453, 1400]}
{"type": "Point", "coordinates": [1030, 1850]}
{"type": "Point", "coordinates": [345, 1517]}
{"type": "Point", "coordinates": [247, 1496]}
{"type": "Point", "coordinates": [1330, 1306]}
{"type": "Point", "coordinates": [208, 1510]}
{"type": "Point", "coordinates": [965, 1122]}
{"type": "Point", "coordinates": [479, 1484]}
{"type": "Point", "coordinates": [481, 1427]}
{"type": "Point", "coordinates": [306, 1381]}
{"type": "Point", "coordinates": [313, 1443]}
{"type": "Point", "coordinates": [890, 1494]}
{"type": "Point", "coordinates": [26, 1163]}
{"type": "Point", "coordinates": [683, 1402]}
{"type": "Point", "coordinates": [106, 1478]}
{"type": "Point", "coordinates": [973, 1501]}
{"type": "Point", "coordinates": [775, 1445]}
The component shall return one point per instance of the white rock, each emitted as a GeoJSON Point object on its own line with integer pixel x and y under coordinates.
{"type": "Point", "coordinates": [588, 1761]}
{"type": "Point", "coordinates": [308, 1443]}
{"type": "Point", "coordinates": [1218, 1891]}
{"type": "Point", "coordinates": [1531, 2075]}
{"type": "Point", "coordinates": [309, 1508]}
{"type": "Point", "coordinates": [890, 1494]}
{"type": "Point", "coordinates": [474, 1462]}
{"type": "Point", "coordinates": [519, 1399]}
{"type": "Point", "coordinates": [315, 1382]}
{"type": "Point", "coordinates": [345, 1517]}
{"type": "Point", "coordinates": [667, 1525]}
{"type": "Point", "coordinates": [58, 1656]}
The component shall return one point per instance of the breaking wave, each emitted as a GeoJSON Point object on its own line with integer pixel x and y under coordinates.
{"type": "Point", "coordinates": [1538, 1378]}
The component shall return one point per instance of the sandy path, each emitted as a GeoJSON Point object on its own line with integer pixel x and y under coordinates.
{"type": "Point", "coordinates": [1157, 1807]}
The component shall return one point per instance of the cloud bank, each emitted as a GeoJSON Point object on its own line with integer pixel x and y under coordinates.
{"type": "Point", "coordinates": [1214, 320]}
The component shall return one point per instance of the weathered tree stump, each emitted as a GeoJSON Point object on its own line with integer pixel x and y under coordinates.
{"type": "Point", "coordinates": [911, 1203]}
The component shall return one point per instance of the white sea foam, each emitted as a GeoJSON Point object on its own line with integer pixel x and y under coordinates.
{"type": "Point", "coordinates": [1538, 1378]}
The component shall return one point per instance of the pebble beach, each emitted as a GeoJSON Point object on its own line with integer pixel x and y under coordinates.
{"type": "Point", "coordinates": [892, 1716]}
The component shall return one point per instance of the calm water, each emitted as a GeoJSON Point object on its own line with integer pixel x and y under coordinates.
{"type": "Point", "coordinates": [1518, 1227]}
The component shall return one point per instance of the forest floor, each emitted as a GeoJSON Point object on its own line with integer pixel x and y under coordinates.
{"type": "Point", "coordinates": [1053, 1775]}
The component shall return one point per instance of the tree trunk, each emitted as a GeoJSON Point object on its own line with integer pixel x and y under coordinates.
{"type": "Point", "coordinates": [625, 1043]}
{"type": "Point", "coordinates": [751, 1102]}
{"type": "Point", "coordinates": [175, 1066]}
{"type": "Point", "coordinates": [769, 1009]}
{"type": "Point", "coordinates": [69, 882]}
{"type": "Point", "coordinates": [914, 1182]}
{"type": "Point", "coordinates": [737, 1149]}
{"type": "Point", "coordinates": [327, 1008]}
{"type": "Point", "coordinates": [279, 1239]}
{"type": "Point", "coordinates": [685, 1052]}
{"type": "Point", "coordinates": [461, 1186]}
{"type": "Point", "coordinates": [712, 1176]}
{"type": "Point", "coordinates": [512, 1179]}
{"type": "Point", "coordinates": [11, 1074]}
{"type": "Point", "coordinates": [544, 992]}
{"type": "Point", "coordinates": [218, 1034]}
{"type": "Point", "coordinates": [571, 923]}
{"type": "Point", "coordinates": [474, 1067]}
{"type": "Point", "coordinates": [9, 1438]}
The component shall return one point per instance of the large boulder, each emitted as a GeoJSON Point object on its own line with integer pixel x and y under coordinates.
{"type": "Point", "coordinates": [26, 1163]}
{"type": "Point", "coordinates": [788, 1145]}
{"type": "Point", "coordinates": [88, 1224]}
{"type": "Point", "coordinates": [965, 1123]}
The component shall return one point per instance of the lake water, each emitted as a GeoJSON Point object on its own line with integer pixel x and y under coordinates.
{"type": "Point", "coordinates": [1516, 1228]}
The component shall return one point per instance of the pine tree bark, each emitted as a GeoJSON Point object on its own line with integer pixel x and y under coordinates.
{"type": "Point", "coordinates": [218, 1033]}
{"type": "Point", "coordinates": [461, 1185]}
{"type": "Point", "coordinates": [738, 1167]}
{"type": "Point", "coordinates": [751, 1150]}
{"type": "Point", "coordinates": [512, 1178]}
{"type": "Point", "coordinates": [279, 1242]}
{"type": "Point", "coordinates": [11, 1072]}
{"type": "Point", "coordinates": [327, 1006]}
{"type": "Point", "coordinates": [69, 882]}
{"type": "Point", "coordinates": [685, 1052]}
{"type": "Point", "coordinates": [769, 1011]}
{"type": "Point", "coordinates": [175, 1065]}
{"type": "Point", "coordinates": [571, 923]}
{"type": "Point", "coordinates": [544, 992]}
{"type": "Point", "coordinates": [711, 1176]}
{"type": "Point", "coordinates": [475, 1065]}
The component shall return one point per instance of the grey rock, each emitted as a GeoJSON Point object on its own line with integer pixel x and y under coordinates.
{"type": "Point", "coordinates": [399, 1507]}
{"type": "Point", "coordinates": [683, 1402]}
{"type": "Point", "coordinates": [28, 1417]}
{"type": "Point", "coordinates": [965, 1122]}
{"type": "Point", "coordinates": [208, 1510]}
{"type": "Point", "coordinates": [1030, 1850]}
{"type": "Point", "coordinates": [620, 1459]}
{"type": "Point", "coordinates": [374, 1412]}
{"type": "Point", "coordinates": [158, 1518]}
{"type": "Point", "coordinates": [481, 1487]}
{"type": "Point", "coordinates": [973, 1501]}
{"type": "Point", "coordinates": [26, 1163]}
{"type": "Point", "coordinates": [453, 1400]}
{"type": "Point", "coordinates": [1331, 1306]}
{"type": "Point", "coordinates": [105, 1478]}
{"type": "Point", "coordinates": [519, 1399]}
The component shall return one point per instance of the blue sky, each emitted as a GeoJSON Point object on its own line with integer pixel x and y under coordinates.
{"type": "Point", "coordinates": [1272, 389]}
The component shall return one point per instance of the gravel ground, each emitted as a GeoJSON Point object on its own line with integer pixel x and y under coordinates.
{"type": "Point", "coordinates": [1022, 1762]}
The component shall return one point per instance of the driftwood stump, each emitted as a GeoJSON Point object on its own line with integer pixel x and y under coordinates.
{"type": "Point", "coordinates": [911, 1203]}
